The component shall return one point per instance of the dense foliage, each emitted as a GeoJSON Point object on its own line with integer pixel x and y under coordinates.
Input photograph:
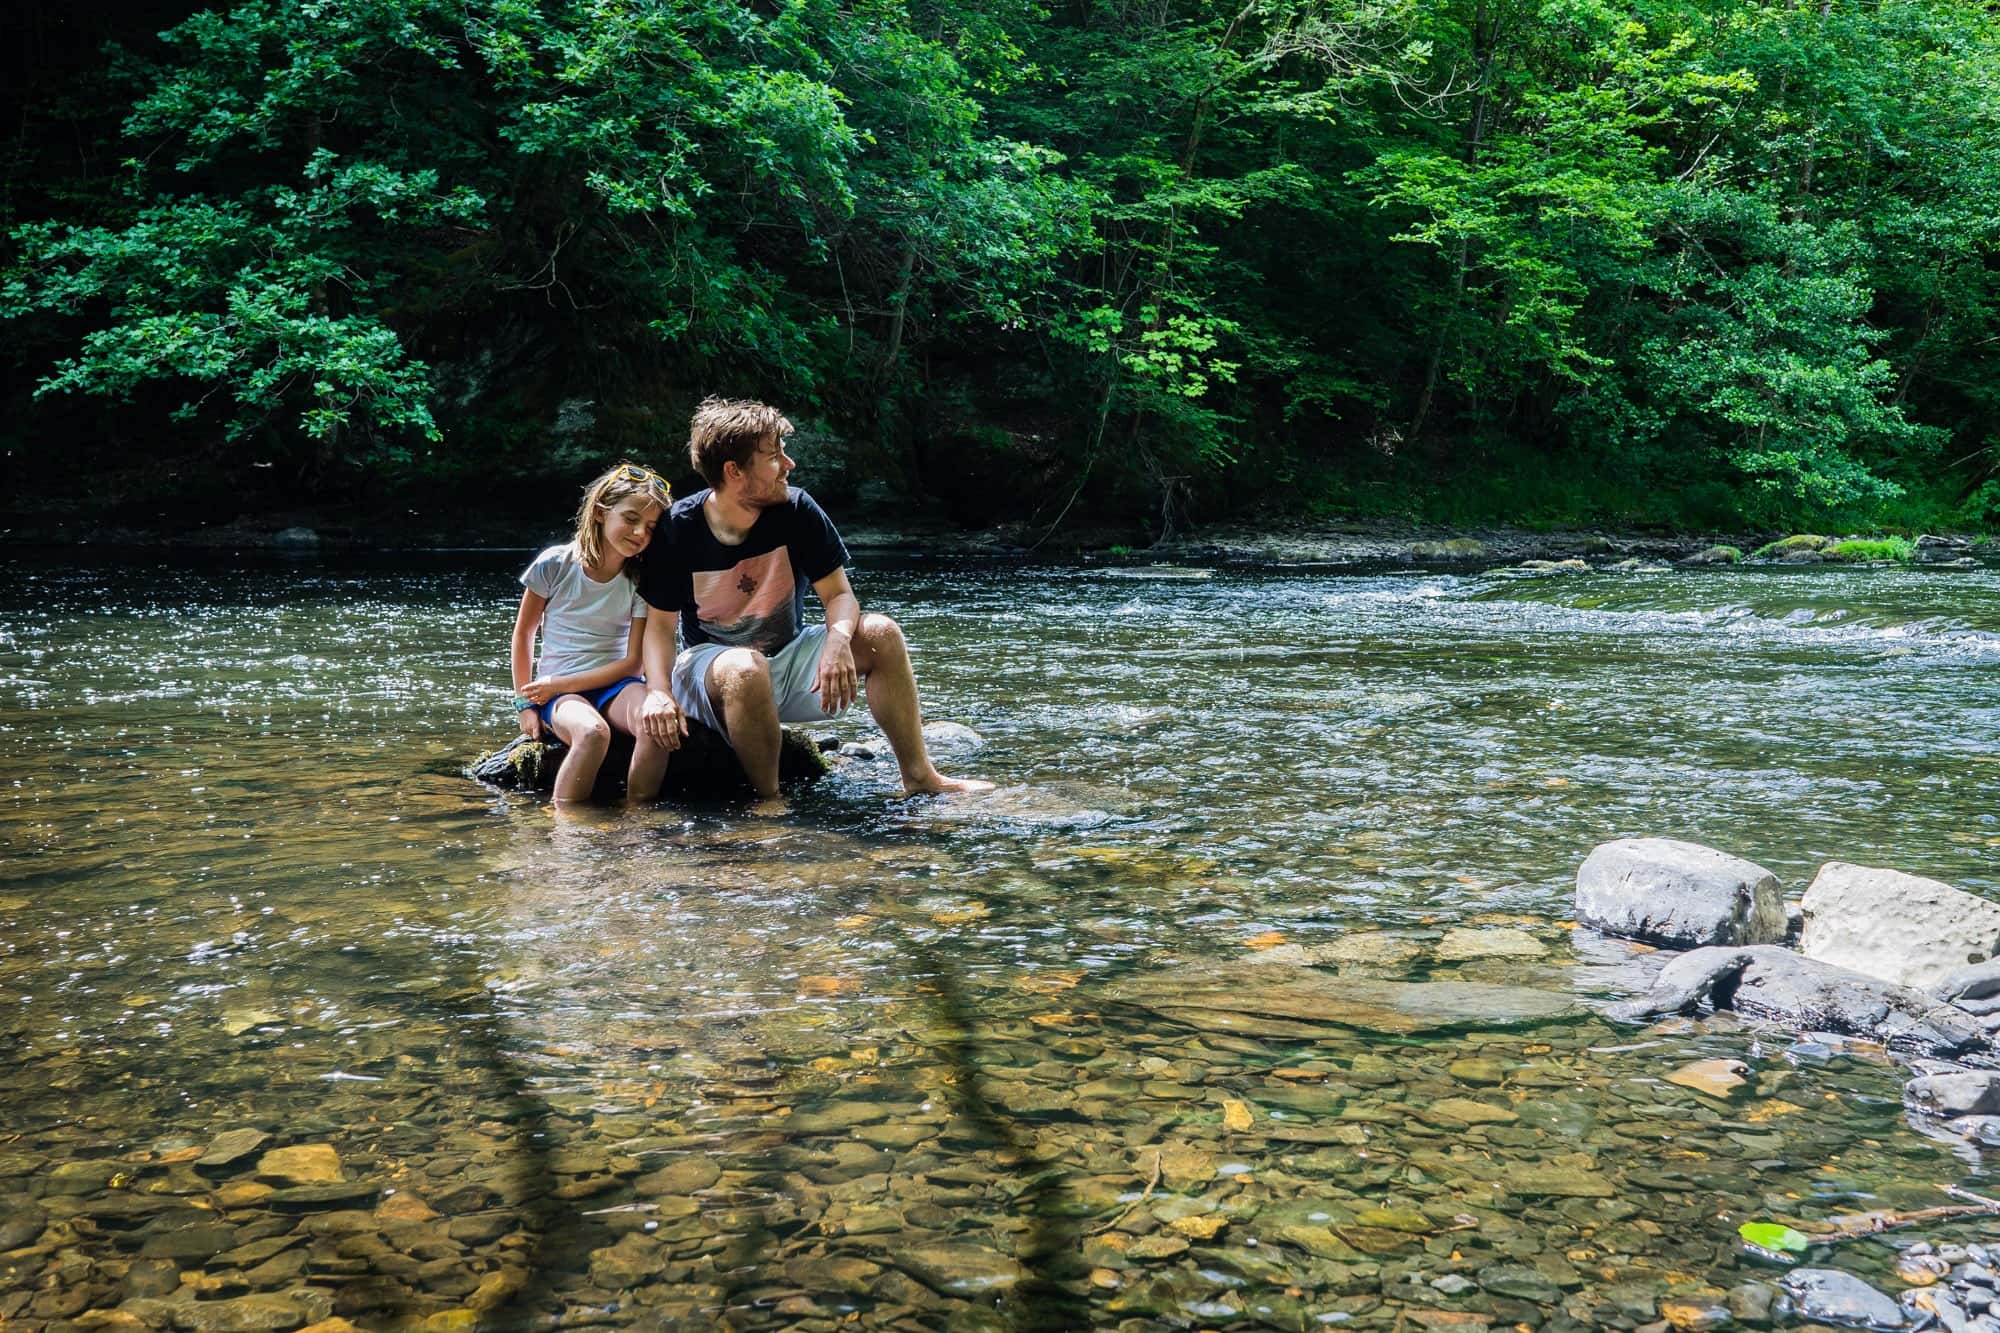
{"type": "Point", "coordinates": [1683, 260]}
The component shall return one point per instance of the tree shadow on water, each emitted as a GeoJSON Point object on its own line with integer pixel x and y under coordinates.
{"type": "Point", "coordinates": [1052, 1251]}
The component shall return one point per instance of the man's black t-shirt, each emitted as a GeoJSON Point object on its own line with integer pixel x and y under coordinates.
{"type": "Point", "coordinates": [752, 594]}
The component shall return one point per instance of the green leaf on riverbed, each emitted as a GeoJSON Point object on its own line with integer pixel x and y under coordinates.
{"type": "Point", "coordinates": [1774, 1236]}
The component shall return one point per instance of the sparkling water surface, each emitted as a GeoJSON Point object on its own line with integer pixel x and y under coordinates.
{"type": "Point", "coordinates": [917, 1064]}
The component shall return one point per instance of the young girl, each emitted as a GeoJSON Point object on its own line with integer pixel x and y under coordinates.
{"type": "Point", "coordinates": [584, 595]}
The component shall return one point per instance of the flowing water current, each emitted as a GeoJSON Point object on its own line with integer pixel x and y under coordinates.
{"type": "Point", "coordinates": [301, 1024]}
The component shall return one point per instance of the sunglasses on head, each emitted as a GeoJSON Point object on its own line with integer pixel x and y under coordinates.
{"type": "Point", "coordinates": [645, 476]}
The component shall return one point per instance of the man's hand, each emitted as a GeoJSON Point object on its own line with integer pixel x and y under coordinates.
{"type": "Point", "coordinates": [661, 720]}
{"type": "Point", "coordinates": [540, 690]}
{"type": "Point", "coordinates": [531, 723]}
{"type": "Point", "coordinates": [837, 683]}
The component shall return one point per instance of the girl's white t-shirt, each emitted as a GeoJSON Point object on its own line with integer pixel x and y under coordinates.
{"type": "Point", "coordinates": [587, 624]}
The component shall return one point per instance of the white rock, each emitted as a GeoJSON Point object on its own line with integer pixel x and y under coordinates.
{"type": "Point", "coordinates": [1902, 928]}
{"type": "Point", "coordinates": [951, 738]}
{"type": "Point", "coordinates": [1678, 894]}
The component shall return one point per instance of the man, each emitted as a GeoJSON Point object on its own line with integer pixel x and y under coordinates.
{"type": "Point", "coordinates": [729, 566]}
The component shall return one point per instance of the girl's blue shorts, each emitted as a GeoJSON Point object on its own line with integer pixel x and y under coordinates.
{"type": "Point", "coordinates": [598, 699]}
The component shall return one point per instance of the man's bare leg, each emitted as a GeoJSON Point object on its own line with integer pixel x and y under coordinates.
{"type": "Point", "coordinates": [739, 684]}
{"type": "Point", "coordinates": [883, 659]}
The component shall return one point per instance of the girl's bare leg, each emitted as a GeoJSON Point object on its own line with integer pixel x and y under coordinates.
{"type": "Point", "coordinates": [649, 760]}
{"type": "Point", "coordinates": [586, 733]}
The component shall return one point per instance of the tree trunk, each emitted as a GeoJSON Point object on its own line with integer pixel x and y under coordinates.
{"type": "Point", "coordinates": [1483, 42]}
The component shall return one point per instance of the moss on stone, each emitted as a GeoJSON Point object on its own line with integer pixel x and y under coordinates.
{"type": "Point", "coordinates": [1784, 546]}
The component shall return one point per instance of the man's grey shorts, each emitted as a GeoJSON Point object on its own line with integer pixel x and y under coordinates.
{"type": "Point", "coordinates": [793, 668]}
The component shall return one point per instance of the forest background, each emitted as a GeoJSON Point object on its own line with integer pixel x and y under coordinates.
{"type": "Point", "coordinates": [1664, 263]}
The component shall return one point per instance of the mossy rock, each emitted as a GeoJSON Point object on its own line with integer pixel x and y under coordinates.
{"type": "Point", "coordinates": [1715, 555]}
{"type": "Point", "coordinates": [1802, 547]}
{"type": "Point", "coordinates": [703, 769]}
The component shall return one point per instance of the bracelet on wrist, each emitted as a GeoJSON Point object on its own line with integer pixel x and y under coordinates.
{"type": "Point", "coordinates": [522, 705]}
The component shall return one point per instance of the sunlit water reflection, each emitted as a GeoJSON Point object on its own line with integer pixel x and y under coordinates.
{"type": "Point", "coordinates": [896, 1060]}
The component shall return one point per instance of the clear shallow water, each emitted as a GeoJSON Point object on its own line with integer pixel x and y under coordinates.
{"type": "Point", "coordinates": [898, 1060]}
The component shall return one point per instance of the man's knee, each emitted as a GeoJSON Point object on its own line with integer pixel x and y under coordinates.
{"type": "Point", "coordinates": [592, 733]}
{"type": "Point", "coordinates": [740, 673]}
{"type": "Point", "coordinates": [878, 633]}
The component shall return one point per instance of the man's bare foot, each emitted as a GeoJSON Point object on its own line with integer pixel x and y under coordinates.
{"type": "Point", "coordinates": [937, 784]}
{"type": "Point", "coordinates": [770, 807]}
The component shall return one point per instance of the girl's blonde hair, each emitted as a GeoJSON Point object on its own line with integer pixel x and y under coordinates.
{"type": "Point", "coordinates": [620, 482]}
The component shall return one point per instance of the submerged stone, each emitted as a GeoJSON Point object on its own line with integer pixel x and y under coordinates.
{"type": "Point", "coordinates": [1465, 1111]}
{"type": "Point", "coordinates": [1521, 1283]}
{"type": "Point", "coordinates": [21, 1225]}
{"type": "Point", "coordinates": [837, 1116]}
{"type": "Point", "coordinates": [1842, 1298]}
{"type": "Point", "coordinates": [961, 1270]}
{"type": "Point", "coordinates": [232, 1146]}
{"type": "Point", "coordinates": [76, 1178]}
{"type": "Point", "coordinates": [1240, 997]}
{"type": "Point", "coordinates": [320, 1198]}
{"type": "Point", "coordinates": [305, 1164]}
{"type": "Point", "coordinates": [1557, 1182]}
{"type": "Point", "coordinates": [190, 1244]}
{"type": "Point", "coordinates": [1712, 1078]}
{"type": "Point", "coordinates": [244, 1314]}
{"type": "Point", "coordinates": [681, 1177]}
{"type": "Point", "coordinates": [1464, 943]}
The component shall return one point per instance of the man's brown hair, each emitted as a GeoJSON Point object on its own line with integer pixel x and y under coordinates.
{"type": "Point", "coordinates": [730, 430]}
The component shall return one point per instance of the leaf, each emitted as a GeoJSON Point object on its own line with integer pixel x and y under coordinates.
{"type": "Point", "coordinates": [1774, 1236]}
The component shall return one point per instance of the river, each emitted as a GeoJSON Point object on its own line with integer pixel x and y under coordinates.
{"type": "Point", "coordinates": [303, 1024]}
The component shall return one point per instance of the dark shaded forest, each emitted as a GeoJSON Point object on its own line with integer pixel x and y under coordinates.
{"type": "Point", "coordinates": [1663, 263]}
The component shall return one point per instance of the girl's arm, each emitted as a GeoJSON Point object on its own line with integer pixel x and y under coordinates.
{"type": "Point", "coordinates": [523, 655]}
{"type": "Point", "coordinates": [544, 688]}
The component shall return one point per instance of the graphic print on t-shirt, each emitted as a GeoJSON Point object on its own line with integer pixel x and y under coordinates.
{"type": "Point", "coordinates": [750, 604]}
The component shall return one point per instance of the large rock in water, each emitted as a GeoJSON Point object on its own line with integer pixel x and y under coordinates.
{"type": "Point", "coordinates": [1806, 995]}
{"type": "Point", "coordinates": [1975, 987]}
{"type": "Point", "coordinates": [704, 768]}
{"type": "Point", "coordinates": [1902, 928]}
{"type": "Point", "coordinates": [1678, 894]}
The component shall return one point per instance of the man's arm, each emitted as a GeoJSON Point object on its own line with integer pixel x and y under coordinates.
{"type": "Point", "coordinates": [659, 716]}
{"type": "Point", "coordinates": [837, 683]}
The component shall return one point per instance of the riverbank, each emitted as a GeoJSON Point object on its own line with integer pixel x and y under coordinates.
{"type": "Point", "coordinates": [1278, 540]}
